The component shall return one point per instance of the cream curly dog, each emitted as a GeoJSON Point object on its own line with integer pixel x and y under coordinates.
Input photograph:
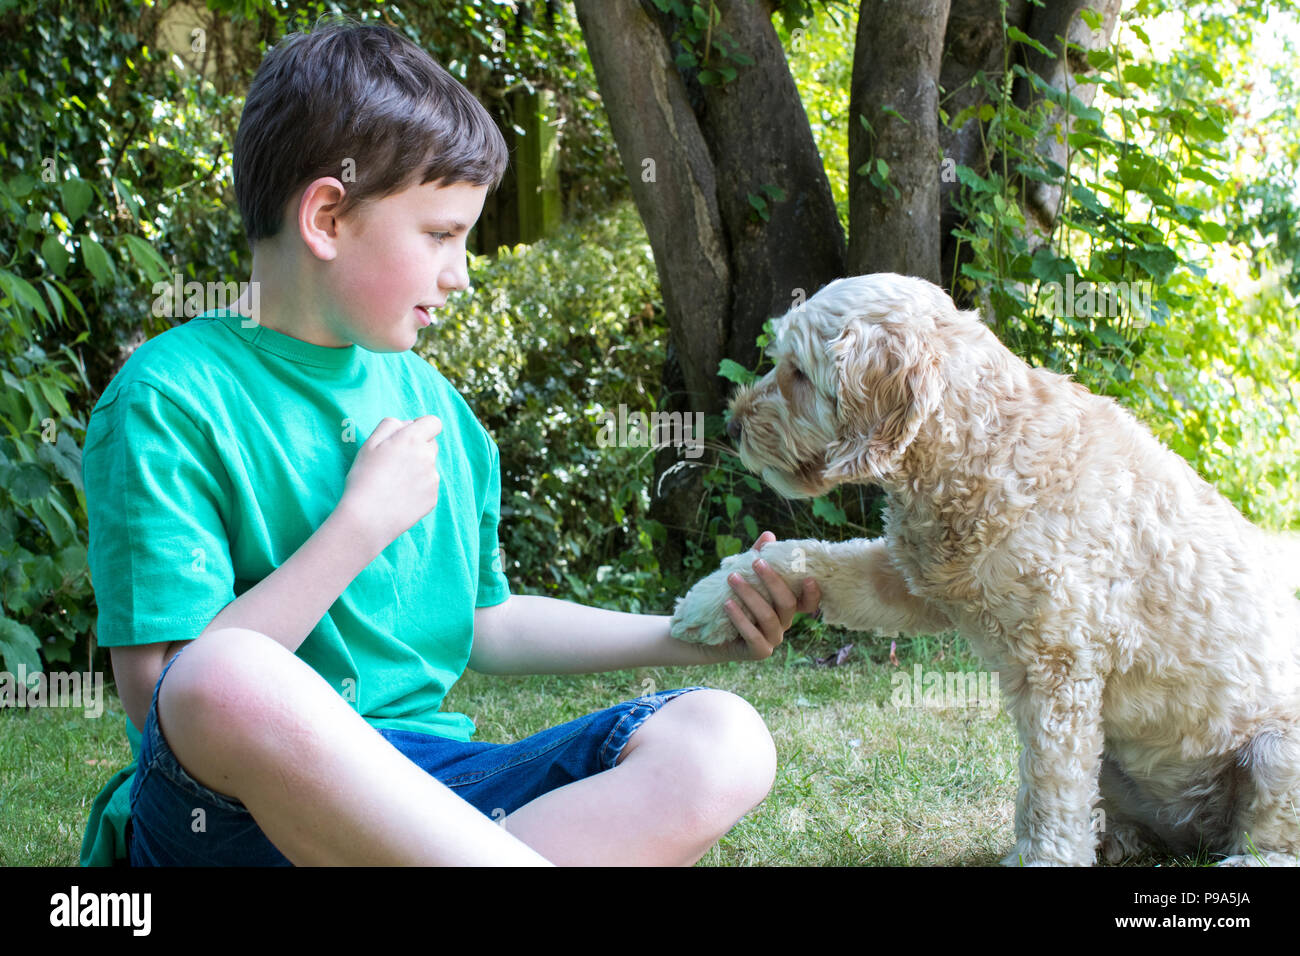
{"type": "Point", "coordinates": [1146, 636]}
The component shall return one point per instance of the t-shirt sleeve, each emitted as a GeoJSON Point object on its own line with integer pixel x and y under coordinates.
{"type": "Point", "coordinates": [493, 587]}
{"type": "Point", "coordinates": [158, 550]}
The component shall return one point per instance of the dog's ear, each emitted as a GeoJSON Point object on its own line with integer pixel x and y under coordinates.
{"type": "Point", "coordinates": [889, 383]}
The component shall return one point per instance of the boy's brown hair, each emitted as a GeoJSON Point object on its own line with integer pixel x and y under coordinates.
{"type": "Point", "coordinates": [362, 103]}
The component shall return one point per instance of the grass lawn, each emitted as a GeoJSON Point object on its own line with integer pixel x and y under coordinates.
{"type": "Point", "coordinates": [859, 782]}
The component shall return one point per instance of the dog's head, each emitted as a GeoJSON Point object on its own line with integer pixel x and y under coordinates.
{"type": "Point", "coordinates": [859, 371]}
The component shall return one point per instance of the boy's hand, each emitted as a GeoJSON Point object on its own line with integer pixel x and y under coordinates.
{"type": "Point", "coordinates": [765, 624]}
{"type": "Point", "coordinates": [393, 482]}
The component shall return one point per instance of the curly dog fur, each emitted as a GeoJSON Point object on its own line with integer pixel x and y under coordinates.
{"type": "Point", "coordinates": [1146, 635]}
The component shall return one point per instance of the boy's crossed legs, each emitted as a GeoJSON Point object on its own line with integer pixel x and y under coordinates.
{"type": "Point", "coordinates": [248, 719]}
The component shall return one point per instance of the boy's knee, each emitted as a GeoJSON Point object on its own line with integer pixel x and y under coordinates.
{"type": "Point", "coordinates": [227, 680]}
{"type": "Point", "coordinates": [723, 743]}
{"type": "Point", "coordinates": [225, 669]}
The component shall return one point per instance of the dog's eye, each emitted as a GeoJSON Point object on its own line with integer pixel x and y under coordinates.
{"type": "Point", "coordinates": [798, 374]}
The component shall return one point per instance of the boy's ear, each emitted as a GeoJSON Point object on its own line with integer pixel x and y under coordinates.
{"type": "Point", "coordinates": [889, 383]}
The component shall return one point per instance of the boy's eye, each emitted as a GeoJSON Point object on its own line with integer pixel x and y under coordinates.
{"type": "Point", "coordinates": [440, 236]}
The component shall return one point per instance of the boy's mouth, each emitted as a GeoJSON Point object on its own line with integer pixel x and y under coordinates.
{"type": "Point", "coordinates": [425, 317]}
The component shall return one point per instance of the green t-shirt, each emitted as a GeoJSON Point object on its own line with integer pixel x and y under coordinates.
{"type": "Point", "coordinates": [217, 451]}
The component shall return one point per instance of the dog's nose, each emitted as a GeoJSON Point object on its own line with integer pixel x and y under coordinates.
{"type": "Point", "coordinates": [733, 429]}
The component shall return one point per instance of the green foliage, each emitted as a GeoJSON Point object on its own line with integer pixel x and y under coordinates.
{"type": "Point", "coordinates": [550, 337]}
{"type": "Point", "coordinates": [707, 50]}
{"type": "Point", "coordinates": [80, 244]}
{"type": "Point", "coordinates": [1136, 289]}
{"type": "Point", "coordinates": [498, 48]}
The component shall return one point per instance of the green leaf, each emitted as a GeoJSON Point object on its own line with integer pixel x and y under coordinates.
{"type": "Point", "coordinates": [1047, 267]}
{"type": "Point", "coordinates": [1020, 36]}
{"type": "Point", "coordinates": [828, 512]}
{"type": "Point", "coordinates": [727, 545]}
{"type": "Point", "coordinates": [21, 185]}
{"type": "Point", "coordinates": [27, 482]}
{"type": "Point", "coordinates": [1211, 231]}
{"type": "Point", "coordinates": [147, 258]}
{"type": "Point", "coordinates": [19, 645]}
{"type": "Point", "coordinates": [1139, 74]}
{"type": "Point", "coordinates": [973, 180]}
{"type": "Point", "coordinates": [734, 504]}
{"type": "Point", "coordinates": [1201, 175]}
{"type": "Point", "coordinates": [735, 372]}
{"type": "Point", "coordinates": [76, 195]}
{"type": "Point", "coordinates": [22, 291]}
{"type": "Point", "coordinates": [54, 395]}
{"type": "Point", "coordinates": [1158, 261]}
{"type": "Point", "coordinates": [97, 261]}
{"type": "Point", "coordinates": [55, 256]}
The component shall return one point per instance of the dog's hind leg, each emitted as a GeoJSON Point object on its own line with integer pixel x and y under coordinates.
{"type": "Point", "coordinates": [1267, 828]}
{"type": "Point", "coordinates": [1122, 819]}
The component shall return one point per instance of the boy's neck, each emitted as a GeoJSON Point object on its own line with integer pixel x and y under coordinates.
{"type": "Point", "coordinates": [279, 298]}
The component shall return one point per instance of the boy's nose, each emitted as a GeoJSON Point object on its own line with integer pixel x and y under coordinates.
{"type": "Point", "coordinates": [456, 275]}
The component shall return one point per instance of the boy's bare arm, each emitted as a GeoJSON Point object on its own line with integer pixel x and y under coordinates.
{"type": "Point", "coordinates": [392, 484]}
{"type": "Point", "coordinates": [528, 634]}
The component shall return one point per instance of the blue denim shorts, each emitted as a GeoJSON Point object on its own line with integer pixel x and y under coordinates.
{"type": "Point", "coordinates": [168, 829]}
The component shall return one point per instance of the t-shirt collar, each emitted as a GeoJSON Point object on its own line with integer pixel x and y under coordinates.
{"type": "Point", "coordinates": [277, 343]}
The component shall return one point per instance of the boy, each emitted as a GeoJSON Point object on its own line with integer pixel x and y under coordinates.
{"type": "Point", "coordinates": [287, 610]}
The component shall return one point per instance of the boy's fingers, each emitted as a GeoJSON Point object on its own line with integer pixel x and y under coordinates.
{"type": "Point", "coordinates": [763, 613]}
{"type": "Point", "coordinates": [766, 537]}
{"type": "Point", "coordinates": [758, 645]}
{"type": "Point", "coordinates": [811, 598]}
{"type": "Point", "coordinates": [783, 599]}
{"type": "Point", "coordinates": [384, 429]}
{"type": "Point", "coordinates": [428, 427]}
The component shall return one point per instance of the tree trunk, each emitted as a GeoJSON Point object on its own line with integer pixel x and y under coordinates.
{"type": "Point", "coordinates": [894, 221]}
{"type": "Point", "coordinates": [695, 155]}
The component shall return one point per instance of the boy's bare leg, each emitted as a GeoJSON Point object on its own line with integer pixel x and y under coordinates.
{"type": "Point", "coordinates": [682, 781]}
{"type": "Point", "coordinates": [248, 718]}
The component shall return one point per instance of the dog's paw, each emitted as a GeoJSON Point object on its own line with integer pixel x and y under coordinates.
{"type": "Point", "coordinates": [700, 617]}
{"type": "Point", "coordinates": [1017, 858]}
{"type": "Point", "coordinates": [1028, 855]}
{"type": "Point", "coordinates": [1263, 858]}
{"type": "Point", "coordinates": [1123, 841]}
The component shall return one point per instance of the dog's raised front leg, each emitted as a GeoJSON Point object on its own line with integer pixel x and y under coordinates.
{"type": "Point", "coordinates": [861, 590]}
{"type": "Point", "coordinates": [1057, 708]}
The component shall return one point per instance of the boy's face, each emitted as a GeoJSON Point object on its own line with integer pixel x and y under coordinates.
{"type": "Point", "coordinates": [395, 255]}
